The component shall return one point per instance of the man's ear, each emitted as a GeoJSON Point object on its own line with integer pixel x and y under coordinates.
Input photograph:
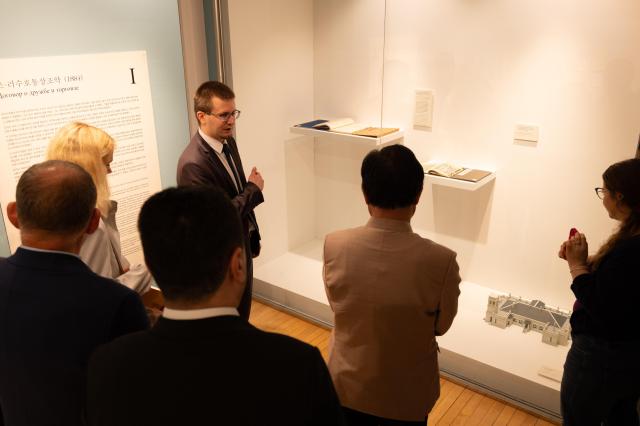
{"type": "Point", "coordinates": [199, 116]}
{"type": "Point", "coordinates": [238, 267]}
{"type": "Point", "coordinates": [93, 222]}
{"type": "Point", "coordinates": [12, 214]}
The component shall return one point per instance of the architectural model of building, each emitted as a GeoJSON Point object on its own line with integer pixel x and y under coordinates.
{"type": "Point", "coordinates": [553, 324]}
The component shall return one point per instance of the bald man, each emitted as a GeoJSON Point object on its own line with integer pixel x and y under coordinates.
{"type": "Point", "coordinates": [54, 311]}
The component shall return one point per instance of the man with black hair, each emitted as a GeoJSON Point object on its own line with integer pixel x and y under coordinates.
{"type": "Point", "coordinates": [392, 292]}
{"type": "Point", "coordinates": [202, 363]}
{"type": "Point", "coordinates": [54, 311]}
{"type": "Point", "coordinates": [212, 158]}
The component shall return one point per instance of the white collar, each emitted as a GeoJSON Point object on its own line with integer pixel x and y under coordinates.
{"type": "Point", "coordinates": [212, 142]}
{"type": "Point", "coordinates": [193, 314]}
{"type": "Point", "coordinates": [49, 251]}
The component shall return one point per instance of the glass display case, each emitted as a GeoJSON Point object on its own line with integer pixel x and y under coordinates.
{"type": "Point", "coordinates": [491, 70]}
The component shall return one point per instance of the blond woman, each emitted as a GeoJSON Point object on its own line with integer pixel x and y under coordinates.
{"type": "Point", "coordinates": [92, 149]}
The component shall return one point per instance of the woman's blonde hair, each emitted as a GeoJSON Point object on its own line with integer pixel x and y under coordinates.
{"type": "Point", "coordinates": [85, 146]}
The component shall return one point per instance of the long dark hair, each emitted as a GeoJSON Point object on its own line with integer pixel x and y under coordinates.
{"type": "Point", "coordinates": [622, 178]}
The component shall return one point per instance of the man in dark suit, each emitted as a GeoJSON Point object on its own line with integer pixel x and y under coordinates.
{"type": "Point", "coordinates": [54, 311]}
{"type": "Point", "coordinates": [212, 158]}
{"type": "Point", "coordinates": [203, 364]}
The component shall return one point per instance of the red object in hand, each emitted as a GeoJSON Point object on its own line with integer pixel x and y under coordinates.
{"type": "Point", "coordinates": [573, 232]}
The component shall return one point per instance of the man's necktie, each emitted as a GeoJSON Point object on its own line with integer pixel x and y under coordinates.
{"type": "Point", "coordinates": [232, 166]}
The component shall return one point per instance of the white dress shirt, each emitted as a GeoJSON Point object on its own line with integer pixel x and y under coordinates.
{"type": "Point", "coordinates": [194, 314]}
{"type": "Point", "coordinates": [49, 251]}
{"type": "Point", "coordinates": [216, 145]}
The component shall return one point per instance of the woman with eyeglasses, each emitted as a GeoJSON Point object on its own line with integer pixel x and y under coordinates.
{"type": "Point", "coordinates": [92, 149]}
{"type": "Point", "coordinates": [601, 381]}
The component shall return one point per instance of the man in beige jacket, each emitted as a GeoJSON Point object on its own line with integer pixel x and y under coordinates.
{"type": "Point", "coordinates": [392, 292]}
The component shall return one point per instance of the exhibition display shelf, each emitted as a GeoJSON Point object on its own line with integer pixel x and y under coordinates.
{"type": "Point", "coordinates": [459, 184]}
{"type": "Point", "coordinates": [346, 136]}
{"type": "Point", "coordinates": [298, 271]}
{"type": "Point", "coordinates": [504, 362]}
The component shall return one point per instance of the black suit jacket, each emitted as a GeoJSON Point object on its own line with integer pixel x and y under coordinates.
{"type": "Point", "coordinates": [54, 311]}
{"type": "Point", "coordinates": [216, 371]}
{"type": "Point", "coordinates": [200, 165]}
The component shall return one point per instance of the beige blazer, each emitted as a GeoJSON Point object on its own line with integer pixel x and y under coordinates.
{"type": "Point", "coordinates": [391, 292]}
{"type": "Point", "coordinates": [102, 253]}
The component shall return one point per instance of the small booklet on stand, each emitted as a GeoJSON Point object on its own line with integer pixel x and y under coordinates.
{"type": "Point", "coordinates": [376, 132]}
{"type": "Point", "coordinates": [471, 175]}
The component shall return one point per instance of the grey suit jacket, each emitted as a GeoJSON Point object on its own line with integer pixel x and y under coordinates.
{"type": "Point", "coordinates": [392, 292]}
{"type": "Point", "coordinates": [200, 165]}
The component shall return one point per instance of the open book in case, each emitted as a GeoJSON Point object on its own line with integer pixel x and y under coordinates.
{"type": "Point", "coordinates": [455, 176]}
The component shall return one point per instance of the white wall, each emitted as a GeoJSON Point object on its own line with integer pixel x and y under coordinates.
{"type": "Point", "coordinates": [272, 62]}
{"type": "Point", "coordinates": [348, 52]}
{"type": "Point", "coordinates": [348, 72]}
{"type": "Point", "coordinates": [573, 69]}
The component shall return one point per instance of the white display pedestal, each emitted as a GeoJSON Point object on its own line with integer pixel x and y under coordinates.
{"type": "Point", "coordinates": [503, 362]}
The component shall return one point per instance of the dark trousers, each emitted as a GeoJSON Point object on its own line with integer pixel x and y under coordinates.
{"type": "Point", "coordinates": [601, 383]}
{"type": "Point", "coordinates": [358, 418]}
{"type": "Point", "coordinates": [244, 308]}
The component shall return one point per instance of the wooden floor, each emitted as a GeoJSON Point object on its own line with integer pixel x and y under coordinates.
{"type": "Point", "coordinates": [457, 405]}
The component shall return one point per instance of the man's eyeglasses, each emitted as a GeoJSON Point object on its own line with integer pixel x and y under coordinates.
{"type": "Point", "coordinates": [225, 116]}
{"type": "Point", "coordinates": [600, 192]}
